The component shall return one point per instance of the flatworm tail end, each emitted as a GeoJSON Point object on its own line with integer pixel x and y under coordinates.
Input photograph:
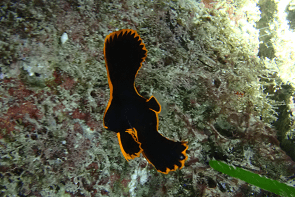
{"type": "Point", "coordinates": [166, 155]}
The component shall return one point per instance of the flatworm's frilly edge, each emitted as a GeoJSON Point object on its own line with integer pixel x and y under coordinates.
{"type": "Point", "coordinates": [133, 117]}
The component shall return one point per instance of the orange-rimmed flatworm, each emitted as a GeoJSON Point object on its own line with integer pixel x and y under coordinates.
{"type": "Point", "coordinates": [133, 117]}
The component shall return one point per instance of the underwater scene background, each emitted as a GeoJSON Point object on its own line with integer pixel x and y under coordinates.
{"type": "Point", "coordinates": [223, 72]}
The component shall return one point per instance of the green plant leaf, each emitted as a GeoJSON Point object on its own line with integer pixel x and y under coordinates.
{"type": "Point", "coordinates": [254, 179]}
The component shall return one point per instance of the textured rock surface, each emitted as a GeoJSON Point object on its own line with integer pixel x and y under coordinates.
{"type": "Point", "coordinates": [200, 62]}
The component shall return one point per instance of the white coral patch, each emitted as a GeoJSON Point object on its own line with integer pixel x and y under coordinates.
{"type": "Point", "coordinates": [64, 38]}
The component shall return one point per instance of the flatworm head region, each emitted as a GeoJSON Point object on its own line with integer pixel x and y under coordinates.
{"type": "Point", "coordinates": [133, 117]}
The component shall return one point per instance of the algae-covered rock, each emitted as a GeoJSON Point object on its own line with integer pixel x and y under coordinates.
{"type": "Point", "coordinates": [205, 59]}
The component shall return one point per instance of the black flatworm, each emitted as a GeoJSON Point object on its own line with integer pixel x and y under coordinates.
{"type": "Point", "coordinates": [133, 117]}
